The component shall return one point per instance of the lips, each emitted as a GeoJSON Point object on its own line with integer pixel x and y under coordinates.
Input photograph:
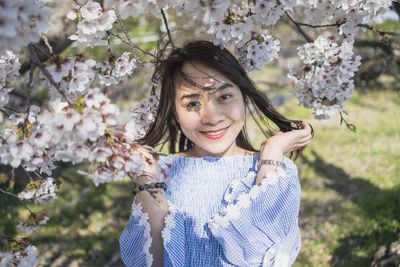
{"type": "Point", "coordinates": [215, 134]}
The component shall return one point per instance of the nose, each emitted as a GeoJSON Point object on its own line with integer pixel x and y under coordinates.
{"type": "Point", "coordinates": [212, 114]}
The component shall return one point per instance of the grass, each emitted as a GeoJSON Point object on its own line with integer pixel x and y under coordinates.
{"type": "Point", "coordinates": [350, 182]}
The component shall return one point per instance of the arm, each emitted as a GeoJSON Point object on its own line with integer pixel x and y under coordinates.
{"type": "Point", "coordinates": [259, 227]}
{"type": "Point", "coordinates": [157, 209]}
{"type": "Point", "coordinates": [141, 241]}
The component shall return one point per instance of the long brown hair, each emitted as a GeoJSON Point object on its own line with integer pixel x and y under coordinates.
{"type": "Point", "coordinates": [165, 128]}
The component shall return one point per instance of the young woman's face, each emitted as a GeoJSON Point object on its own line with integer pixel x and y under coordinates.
{"type": "Point", "coordinates": [211, 119]}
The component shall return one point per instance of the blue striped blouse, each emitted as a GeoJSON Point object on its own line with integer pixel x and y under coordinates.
{"type": "Point", "coordinates": [218, 216]}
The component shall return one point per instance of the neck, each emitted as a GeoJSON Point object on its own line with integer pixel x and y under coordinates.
{"type": "Point", "coordinates": [233, 150]}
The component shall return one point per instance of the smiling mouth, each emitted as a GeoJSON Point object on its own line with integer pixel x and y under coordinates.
{"type": "Point", "coordinates": [215, 134]}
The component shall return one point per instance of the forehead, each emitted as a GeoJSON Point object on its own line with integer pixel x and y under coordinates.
{"type": "Point", "coordinates": [201, 75]}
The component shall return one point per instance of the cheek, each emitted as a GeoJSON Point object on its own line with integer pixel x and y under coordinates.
{"type": "Point", "coordinates": [237, 111]}
{"type": "Point", "coordinates": [187, 120]}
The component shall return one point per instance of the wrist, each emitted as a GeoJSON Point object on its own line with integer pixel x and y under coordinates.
{"type": "Point", "coordinates": [145, 178]}
{"type": "Point", "coordinates": [271, 151]}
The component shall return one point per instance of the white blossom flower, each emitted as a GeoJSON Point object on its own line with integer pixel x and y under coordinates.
{"type": "Point", "coordinates": [91, 29]}
{"type": "Point", "coordinates": [327, 85]}
{"type": "Point", "coordinates": [91, 10]}
{"type": "Point", "coordinates": [6, 259]}
{"type": "Point", "coordinates": [28, 257]}
{"type": "Point", "coordinates": [123, 66]}
{"type": "Point", "coordinates": [42, 191]}
{"type": "Point", "coordinates": [21, 23]}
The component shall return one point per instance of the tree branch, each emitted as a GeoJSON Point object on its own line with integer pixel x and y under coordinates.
{"type": "Point", "coordinates": [299, 29]}
{"type": "Point", "coordinates": [58, 44]}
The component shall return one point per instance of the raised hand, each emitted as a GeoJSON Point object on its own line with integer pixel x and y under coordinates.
{"type": "Point", "coordinates": [288, 141]}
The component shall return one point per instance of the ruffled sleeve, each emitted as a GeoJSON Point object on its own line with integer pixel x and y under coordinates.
{"type": "Point", "coordinates": [135, 240]}
{"type": "Point", "coordinates": [174, 237]}
{"type": "Point", "coordinates": [258, 225]}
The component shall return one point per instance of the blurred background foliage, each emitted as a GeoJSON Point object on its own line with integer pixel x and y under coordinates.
{"type": "Point", "coordinates": [350, 211]}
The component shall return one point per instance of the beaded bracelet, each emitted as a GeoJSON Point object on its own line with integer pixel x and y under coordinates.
{"type": "Point", "coordinates": [271, 162]}
{"type": "Point", "coordinates": [138, 188]}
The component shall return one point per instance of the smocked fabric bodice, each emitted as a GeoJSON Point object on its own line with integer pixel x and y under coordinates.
{"type": "Point", "coordinates": [197, 185]}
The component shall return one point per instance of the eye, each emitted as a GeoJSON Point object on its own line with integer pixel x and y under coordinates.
{"type": "Point", "coordinates": [225, 97]}
{"type": "Point", "coordinates": [192, 104]}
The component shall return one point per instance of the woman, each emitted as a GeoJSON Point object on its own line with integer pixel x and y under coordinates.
{"type": "Point", "coordinates": [225, 203]}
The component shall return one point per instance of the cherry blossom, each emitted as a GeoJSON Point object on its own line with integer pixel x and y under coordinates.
{"type": "Point", "coordinates": [21, 23]}
{"type": "Point", "coordinates": [9, 71]}
{"type": "Point", "coordinates": [23, 256]}
{"type": "Point", "coordinates": [94, 24]}
{"type": "Point", "coordinates": [326, 83]}
{"type": "Point", "coordinates": [41, 191]}
{"type": "Point", "coordinates": [112, 72]}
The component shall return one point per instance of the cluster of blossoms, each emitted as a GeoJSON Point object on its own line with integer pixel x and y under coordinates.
{"type": "Point", "coordinates": [73, 75]}
{"type": "Point", "coordinates": [42, 191]}
{"type": "Point", "coordinates": [86, 130]}
{"type": "Point", "coordinates": [326, 82]}
{"type": "Point", "coordinates": [349, 14]}
{"type": "Point", "coordinates": [143, 115]}
{"type": "Point", "coordinates": [260, 49]}
{"type": "Point", "coordinates": [21, 254]}
{"type": "Point", "coordinates": [94, 24]}
{"type": "Point", "coordinates": [112, 72]}
{"type": "Point", "coordinates": [9, 71]}
{"type": "Point", "coordinates": [21, 23]}
{"type": "Point", "coordinates": [134, 8]}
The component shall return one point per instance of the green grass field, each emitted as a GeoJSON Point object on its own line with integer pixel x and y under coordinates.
{"type": "Point", "coordinates": [350, 194]}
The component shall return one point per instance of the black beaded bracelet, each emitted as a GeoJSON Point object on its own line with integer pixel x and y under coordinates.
{"type": "Point", "coordinates": [137, 188]}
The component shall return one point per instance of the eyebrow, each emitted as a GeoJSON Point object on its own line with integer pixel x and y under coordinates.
{"type": "Point", "coordinates": [222, 87]}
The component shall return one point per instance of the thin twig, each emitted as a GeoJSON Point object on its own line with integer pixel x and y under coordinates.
{"type": "Point", "coordinates": [337, 24]}
{"type": "Point", "coordinates": [79, 4]}
{"type": "Point", "coordinates": [128, 38]}
{"type": "Point", "coordinates": [38, 63]}
{"type": "Point", "coordinates": [15, 196]}
{"type": "Point", "coordinates": [46, 42]}
{"type": "Point", "coordinates": [11, 109]}
{"type": "Point", "coordinates": [31, 72]}
{"type": "Point", "coordinates": [382, 33]}
{"type": "Point", "coordinates": [8, 193]}
{"type": "Point", "coordinates": [41, 51]}
{"type": "Point", "coordinates": [350, 126]}
{"type": "Point", "coordinates": [167, 27]}
{"type": "Point", "coordinates": [126, 42]}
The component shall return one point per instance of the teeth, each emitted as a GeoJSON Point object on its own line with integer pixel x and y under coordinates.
{"type": "Point", "coordinates": [215, 132]}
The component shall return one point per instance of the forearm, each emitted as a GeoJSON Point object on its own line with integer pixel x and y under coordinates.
{"type": "Point", "coordinates": [157, 208]}
{"type": "Point", "coordinates": [269, 152]}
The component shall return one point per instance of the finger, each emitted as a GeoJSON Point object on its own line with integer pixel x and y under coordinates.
{"type": "Point", "coordinates": [305, 139]}
{"type": "Point", "coordinates": [302, 144]}
{"type": "Point", "coordinates": [305, 125]}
